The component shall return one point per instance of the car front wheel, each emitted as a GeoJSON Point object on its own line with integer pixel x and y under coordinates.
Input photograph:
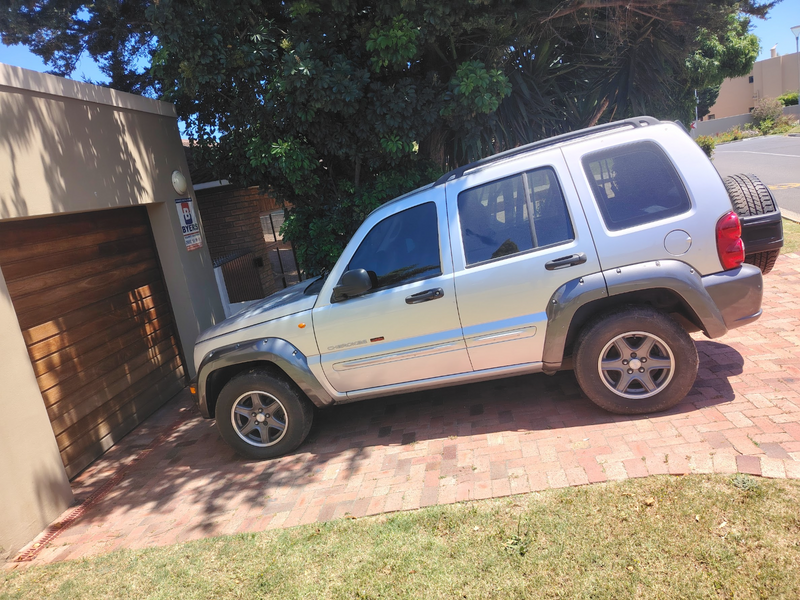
{"type": "Point", "coordinates": [635, 361]}
{"type": "Point", "coordinates": [262, 416]}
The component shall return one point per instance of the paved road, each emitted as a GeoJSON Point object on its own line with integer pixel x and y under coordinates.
{"type": "Point", "coordinates": [775, 160]}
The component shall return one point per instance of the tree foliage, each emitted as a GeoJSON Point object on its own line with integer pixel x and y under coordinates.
{"type": "Point", "coordinates": [115, 33]}
{"type": "Point", "coordinates": [339, 105]}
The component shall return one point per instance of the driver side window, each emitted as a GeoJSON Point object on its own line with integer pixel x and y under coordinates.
{"type": "Point", "coordinates": [402, 248]}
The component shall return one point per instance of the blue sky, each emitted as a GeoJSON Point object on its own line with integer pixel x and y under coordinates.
{"type": "Point", "coordinates": [19, 56]}
{"type": "Point", "coordinates": [774, 30]}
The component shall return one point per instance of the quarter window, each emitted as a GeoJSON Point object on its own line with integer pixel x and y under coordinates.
{"type": "Point", "coordinates": [635, 184]}
{"type": "Point", "coordinates": [513, 215]}
{"type": "Point", "coordinates": [402, 248]}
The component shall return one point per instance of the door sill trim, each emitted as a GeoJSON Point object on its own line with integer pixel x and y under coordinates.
{"type": "Point", "coordinates": [444, 381]}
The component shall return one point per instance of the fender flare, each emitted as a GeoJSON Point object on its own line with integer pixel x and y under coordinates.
{"type": "Point", "coordinates": [672, 275]}
{"type": "Point", "coordinates": [274, 350]}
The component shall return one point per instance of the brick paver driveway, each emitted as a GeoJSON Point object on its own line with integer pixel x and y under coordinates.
{"type": "Point", "coordinates": [477, 441]}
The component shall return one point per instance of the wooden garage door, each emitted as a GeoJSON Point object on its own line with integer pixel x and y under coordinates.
{"type": "Point", "coordinates": [90, 298]}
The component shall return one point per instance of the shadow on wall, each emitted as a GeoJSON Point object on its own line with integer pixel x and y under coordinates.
{"type": "Point", "coordinates": [21, 523]}
{"type": "Point", "coordinates": [88, 156]}
{"type": "Point", "coordinates": [198, 469]}
{"type": "Point", "coordinates": [96, 319]}
{"type": "Point", "coordinates": [63, 155]}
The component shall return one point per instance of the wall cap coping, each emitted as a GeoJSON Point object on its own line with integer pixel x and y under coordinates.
{"type": "Point", "coordinates": [33, 81]}
{"type": "Point", "coordinates": [211, 184]}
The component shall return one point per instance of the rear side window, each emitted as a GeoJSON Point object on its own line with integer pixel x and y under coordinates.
{"type": "Point", "coordinates": [635, 184]}
{"type": "Point", "coordinates": [402, 248]}
{"type": "Point", "coordinates": [512, 215]}
{"type": "Point", "coordinates": [551, 223]}
{"type": "Point", "coordinates": [495, 220]}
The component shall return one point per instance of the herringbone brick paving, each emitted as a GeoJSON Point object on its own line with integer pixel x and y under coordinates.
{"type": "Point", "coordinates": [478, 441]}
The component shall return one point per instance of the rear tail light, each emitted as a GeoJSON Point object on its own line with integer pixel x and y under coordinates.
{"type": "Point", "coordinates": [729, 241]}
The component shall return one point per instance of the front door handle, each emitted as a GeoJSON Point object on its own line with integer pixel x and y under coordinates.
{"type": "Point", "coordinates": [565, 261]}
{"type": "Point", "coordinates": [425, 296]}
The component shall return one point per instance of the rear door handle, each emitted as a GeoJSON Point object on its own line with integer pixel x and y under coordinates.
{"type": "Point", "coordinates": [565, 261]}
{"type": "Point", "coordinates": [425, 296]}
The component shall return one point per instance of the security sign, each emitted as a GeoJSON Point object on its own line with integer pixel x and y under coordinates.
{"type": "Point", "coordinates": [189, 224]}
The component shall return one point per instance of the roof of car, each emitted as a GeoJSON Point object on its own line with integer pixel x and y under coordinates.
{"type": "Point", "coordinates": [552, 141]}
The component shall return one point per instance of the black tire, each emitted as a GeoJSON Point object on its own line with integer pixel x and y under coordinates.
{"type": "Point", "coordinates": [274, 401]}
{"type": "Point", "coordinates": [763, 260]}
{"type": "Point", "coordinates": [749, 196]}
{"type": "Point", "coordinates": [606, 335]}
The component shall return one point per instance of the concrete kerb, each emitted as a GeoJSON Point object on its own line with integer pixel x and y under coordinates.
{"type": "Point", "coordinates": [790, 215]}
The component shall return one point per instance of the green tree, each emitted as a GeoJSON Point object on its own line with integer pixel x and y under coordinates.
{"type": "Point", "coordinates": [339, 105]}
{"type": "Point", "coordinates": [728, 52]}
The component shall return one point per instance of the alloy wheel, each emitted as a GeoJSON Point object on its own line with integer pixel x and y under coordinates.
{"type": "Point", "coordinates": [636, 364]}
{"type": "Point", "coordinates": [259, 419]}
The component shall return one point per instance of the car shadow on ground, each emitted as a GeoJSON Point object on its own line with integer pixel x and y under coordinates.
{"type": "Point", "coordinates": [197, 468]}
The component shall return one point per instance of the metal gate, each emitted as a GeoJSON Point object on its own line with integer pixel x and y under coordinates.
{"type": "Point", "coordinates": [241, 272]}
{"type": "Point", "coordinates": [280, 252]}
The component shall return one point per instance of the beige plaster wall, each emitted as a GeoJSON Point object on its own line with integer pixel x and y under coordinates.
{"type": "Point", "coordinates": [71, 147]}
{"type": "Point", "coordinates": [771, 78]}
{"type": "Point", "coordinates": [735, 98]}
{"type": "Point", "coordinates": [67, 154]}
{"type": "Point", "coordinates": [190, 280]}
{"type": "Point", "coordinates": [34, 488]}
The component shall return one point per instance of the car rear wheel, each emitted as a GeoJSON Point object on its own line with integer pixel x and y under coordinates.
{"type": "Point", "coordinates": [262, 416]}
{"type": "Point", "coordinates": [749, 197]}
{"type": "Point", "coordinates": [637, 360]}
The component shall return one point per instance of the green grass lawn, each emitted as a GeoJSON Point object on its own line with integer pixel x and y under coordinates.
{"type": "Point", "coordinates": [660, 537]}
{"type": "Point", "coordinates": [791, 236]}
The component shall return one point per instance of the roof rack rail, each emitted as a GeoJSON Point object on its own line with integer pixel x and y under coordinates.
{"type": "Point", "coordinates": [564, 137]}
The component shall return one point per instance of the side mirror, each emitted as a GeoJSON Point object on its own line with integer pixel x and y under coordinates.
{"type": "Point", "coordinates": [353, 283]}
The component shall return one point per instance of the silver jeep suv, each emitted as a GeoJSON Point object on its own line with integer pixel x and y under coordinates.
{"type": "Point", "coordinates": [595, 251]}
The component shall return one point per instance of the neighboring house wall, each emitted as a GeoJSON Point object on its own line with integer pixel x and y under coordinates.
{"type": "Point", "coordinates": [771, 78]}
{"type": "Point", "coordinates": [68, 147]}
{"type": "Point", "coordinates": [715, 126]}
{"type": "Point", "coordinates": [735, 98]}
{"type": "Point", "coordinates": [232, 222]}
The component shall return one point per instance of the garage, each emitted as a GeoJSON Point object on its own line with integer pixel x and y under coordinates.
{"type": "Point", "coordinates": [105, 283]}
{"type": "Point", "coordinates": [91, 303]}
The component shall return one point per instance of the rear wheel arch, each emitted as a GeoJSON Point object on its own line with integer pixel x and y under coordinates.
{"type": "Point", "coordinates": [662, 299]}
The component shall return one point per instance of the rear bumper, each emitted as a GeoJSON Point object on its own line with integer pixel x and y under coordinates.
{"type": "Point", "coordinates": [762, 233]}
{"type": "Point", "coordinates": [737, 294]}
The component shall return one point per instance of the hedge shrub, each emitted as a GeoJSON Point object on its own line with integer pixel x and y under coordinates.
{"type": "Point", "coordinates": [707, 143]}
{"type": "Point", "coordinates": [789, 98]}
